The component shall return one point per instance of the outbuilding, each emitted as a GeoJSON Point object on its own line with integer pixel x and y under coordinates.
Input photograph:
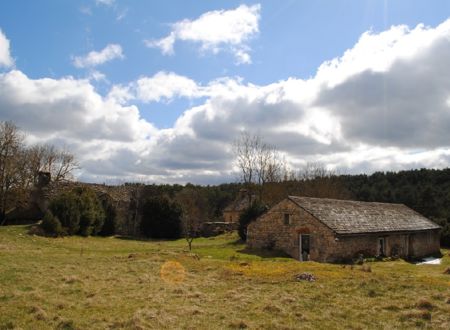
{"type": "Point", "coordinates": [331, 230]}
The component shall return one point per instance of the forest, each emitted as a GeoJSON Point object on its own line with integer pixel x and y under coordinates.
{"type": "Point", "coordinates": [426, 191]}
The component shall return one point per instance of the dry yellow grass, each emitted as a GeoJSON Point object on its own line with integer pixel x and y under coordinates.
{"type": "Point", "coordinates": [111, 283]}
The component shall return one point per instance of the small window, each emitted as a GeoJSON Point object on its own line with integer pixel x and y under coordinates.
{"type": "Point", "coordinates": [287, 220]}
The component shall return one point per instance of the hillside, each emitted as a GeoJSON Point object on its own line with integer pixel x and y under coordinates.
{"type": "Point", "coordinates": [101, 283]}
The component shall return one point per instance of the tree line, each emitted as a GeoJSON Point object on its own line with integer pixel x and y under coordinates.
{"type": "Point", "coordinates": [263, 173]}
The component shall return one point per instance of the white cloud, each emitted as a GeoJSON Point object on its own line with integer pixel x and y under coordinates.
{"type": "Point", "coordinates": [105, 2]}
{"type": "Point", "coordinates": [93, 58]}
{"type": "Point", "coordinates": [383, 105]}
{"type": "Point", "coordinates": [5, 55]}
{"type": "Point", "coordinates": [97, 76]}
{"type": "Point", "coordinates": [70, 112]}
{"type": "Point", "coordinates": [216, 31]}
{"type": "Point", "coordinates": [165, 86]}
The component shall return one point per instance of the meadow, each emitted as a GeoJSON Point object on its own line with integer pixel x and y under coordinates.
{"type": "Point", "coordinates": [116, 283]}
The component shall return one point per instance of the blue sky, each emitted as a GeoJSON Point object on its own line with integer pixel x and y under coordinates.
{"type": "Point", "coordinates": [226, 66]}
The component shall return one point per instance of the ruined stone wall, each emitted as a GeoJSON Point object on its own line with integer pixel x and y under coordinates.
{"type": "Point", "coordinates": [270, 231]}
{"type": "Point", "coordinates": [124, 198]}
{"type": "Point", "coordinates": [209, 229]}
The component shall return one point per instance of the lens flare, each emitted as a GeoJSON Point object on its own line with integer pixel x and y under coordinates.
{"type": "Point", "coordinates": [172, 272]}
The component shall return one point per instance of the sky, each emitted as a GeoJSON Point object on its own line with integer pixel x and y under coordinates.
{"type": "Point", "coordinates": [158, 91]}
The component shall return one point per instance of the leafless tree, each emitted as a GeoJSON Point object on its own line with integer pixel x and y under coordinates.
{"type": "Point", "coordinates": [47, 158]}
{"type": "Point", "coordinates": [11, 164]}
{"type": "Point", "coordinates": [194, 206]}
{"type": "Point", "coordinates": [259, 162]}
{"type": "Point", "coordinates": [19, 166]}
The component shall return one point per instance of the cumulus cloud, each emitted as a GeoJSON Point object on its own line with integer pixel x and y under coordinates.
{"type": "Point", "coordinates": [165, 86]}
{"type": "Point", "coordinates": [398, 95]}
{"type": "Point", "coordinates": [216, 31]}
{"type": "Point", "coordinates": [384, 104]}
{"type": "Point", "coordinates": [5, 55]}
{"type": "Point", "coordinates": [94, 58]}
{"type": "Point", "coordinates": [70, 112]}
{"type": "Point", "coordinates": [390, 110]}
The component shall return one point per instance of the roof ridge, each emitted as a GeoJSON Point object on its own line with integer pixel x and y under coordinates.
{"type": "Point", "coordinates": [347, 216]}
{"type": "Point", "coordinates": [345, 200]}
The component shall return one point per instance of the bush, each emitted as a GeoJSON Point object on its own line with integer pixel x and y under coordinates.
{"type": "Point", "coordinates": [110, 224]}
{"type": "Point", "coordinates": [248, 216]}
{"type": "Point", "coordinates": [51, 225]}
{"type": "Point", "coordinates": [92, 215]}
{"type": "Point", "coordinates": [161, 218]}
{"type": "Point", "coordinates": [66, 208]}
{"type": "Point", "coordinates": [79, 212]}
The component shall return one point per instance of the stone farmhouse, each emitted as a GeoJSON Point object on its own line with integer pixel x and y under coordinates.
{"type": "Point", "coordinates": [233, 211]}
{"type": "Point", "coordinates": [330, 230]}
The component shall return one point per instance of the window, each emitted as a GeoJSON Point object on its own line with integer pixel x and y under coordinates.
{"type": "Point", "coordinates": [287, 220]}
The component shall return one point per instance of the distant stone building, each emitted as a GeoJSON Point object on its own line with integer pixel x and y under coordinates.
{"type": "Point", "coordinates": [124, 198]}
{"type": "Point", "coordinates": [232, 212]}
{"type": "Point", "coordinates": [330, 230]}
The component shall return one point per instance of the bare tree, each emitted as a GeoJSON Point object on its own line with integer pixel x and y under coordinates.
{"type": "Point", "coordinates": [259, 162]}
{"type": "Point", "coordinates": [11, 164]}
{"type": "Point", "coordinates": [194, 206]}
{"type": "Point", "coordinates": [19, 166]}
{"type": "Point", "coordinates": [59, 163]}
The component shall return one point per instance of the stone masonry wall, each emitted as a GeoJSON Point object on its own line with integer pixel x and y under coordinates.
{"type": "Point", "coordinates": [269, 231]}
{"type": "Point", "coordinates": [424, 244]}
{"type": "Point", "coordinates": [231, 216]}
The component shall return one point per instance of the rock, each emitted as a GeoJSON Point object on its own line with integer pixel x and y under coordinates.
{"type": "Point", "coordinates": [305, 277]}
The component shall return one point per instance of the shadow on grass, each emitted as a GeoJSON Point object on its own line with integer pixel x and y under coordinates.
{"type": "Point", "coordinates": [264, 253]}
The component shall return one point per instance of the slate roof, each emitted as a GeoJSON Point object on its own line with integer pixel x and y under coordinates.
{"type": "Point", "coordinates": [353, 217]}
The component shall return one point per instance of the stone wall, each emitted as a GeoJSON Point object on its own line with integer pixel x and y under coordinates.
{"type": "Point", "coordinates": [270, 231]}
{"type": "Point", "coordinates": [124, 198]}
{"type": "Point", "coordinates": [231, 216]}
{"type": "Point", "coordinates": [217, 228]}
{"type": "Point", "coordinates": [404, 245]}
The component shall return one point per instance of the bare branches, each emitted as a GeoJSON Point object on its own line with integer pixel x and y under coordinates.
{"type": "Point", "coordinates": [259, 162]}
{"type": "Point", "coordinates": [194, 206]}
{"type": "Point", "coordinates": [11, 163]}
{"type": "Point", "coordinates": [20, 166]}
{"type": "Point", "coordinates": [46, 158]}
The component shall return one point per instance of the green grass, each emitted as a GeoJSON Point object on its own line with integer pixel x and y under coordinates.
{"type": "Point", "coordinates": [112, 283]}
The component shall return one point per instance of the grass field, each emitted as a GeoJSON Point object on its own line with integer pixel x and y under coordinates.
{"type": "Point", "coordinates": [112, 283]}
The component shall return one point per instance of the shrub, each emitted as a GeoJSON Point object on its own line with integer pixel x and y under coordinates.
{"type": "Point", "coordinates": [51, 225]}
{"type": "Point", "coordinates": [92, 215]}
{"type": "Point", "coordinates": [79, 211]}
{"type": "Point", "coordinates": [110, 224]}
{"type": "Point", "coordinates": [248, 216]}
{"type": "Point", "coordinates": [66, 208]}
{"type": "Point", "coordinates": [161, 218]}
